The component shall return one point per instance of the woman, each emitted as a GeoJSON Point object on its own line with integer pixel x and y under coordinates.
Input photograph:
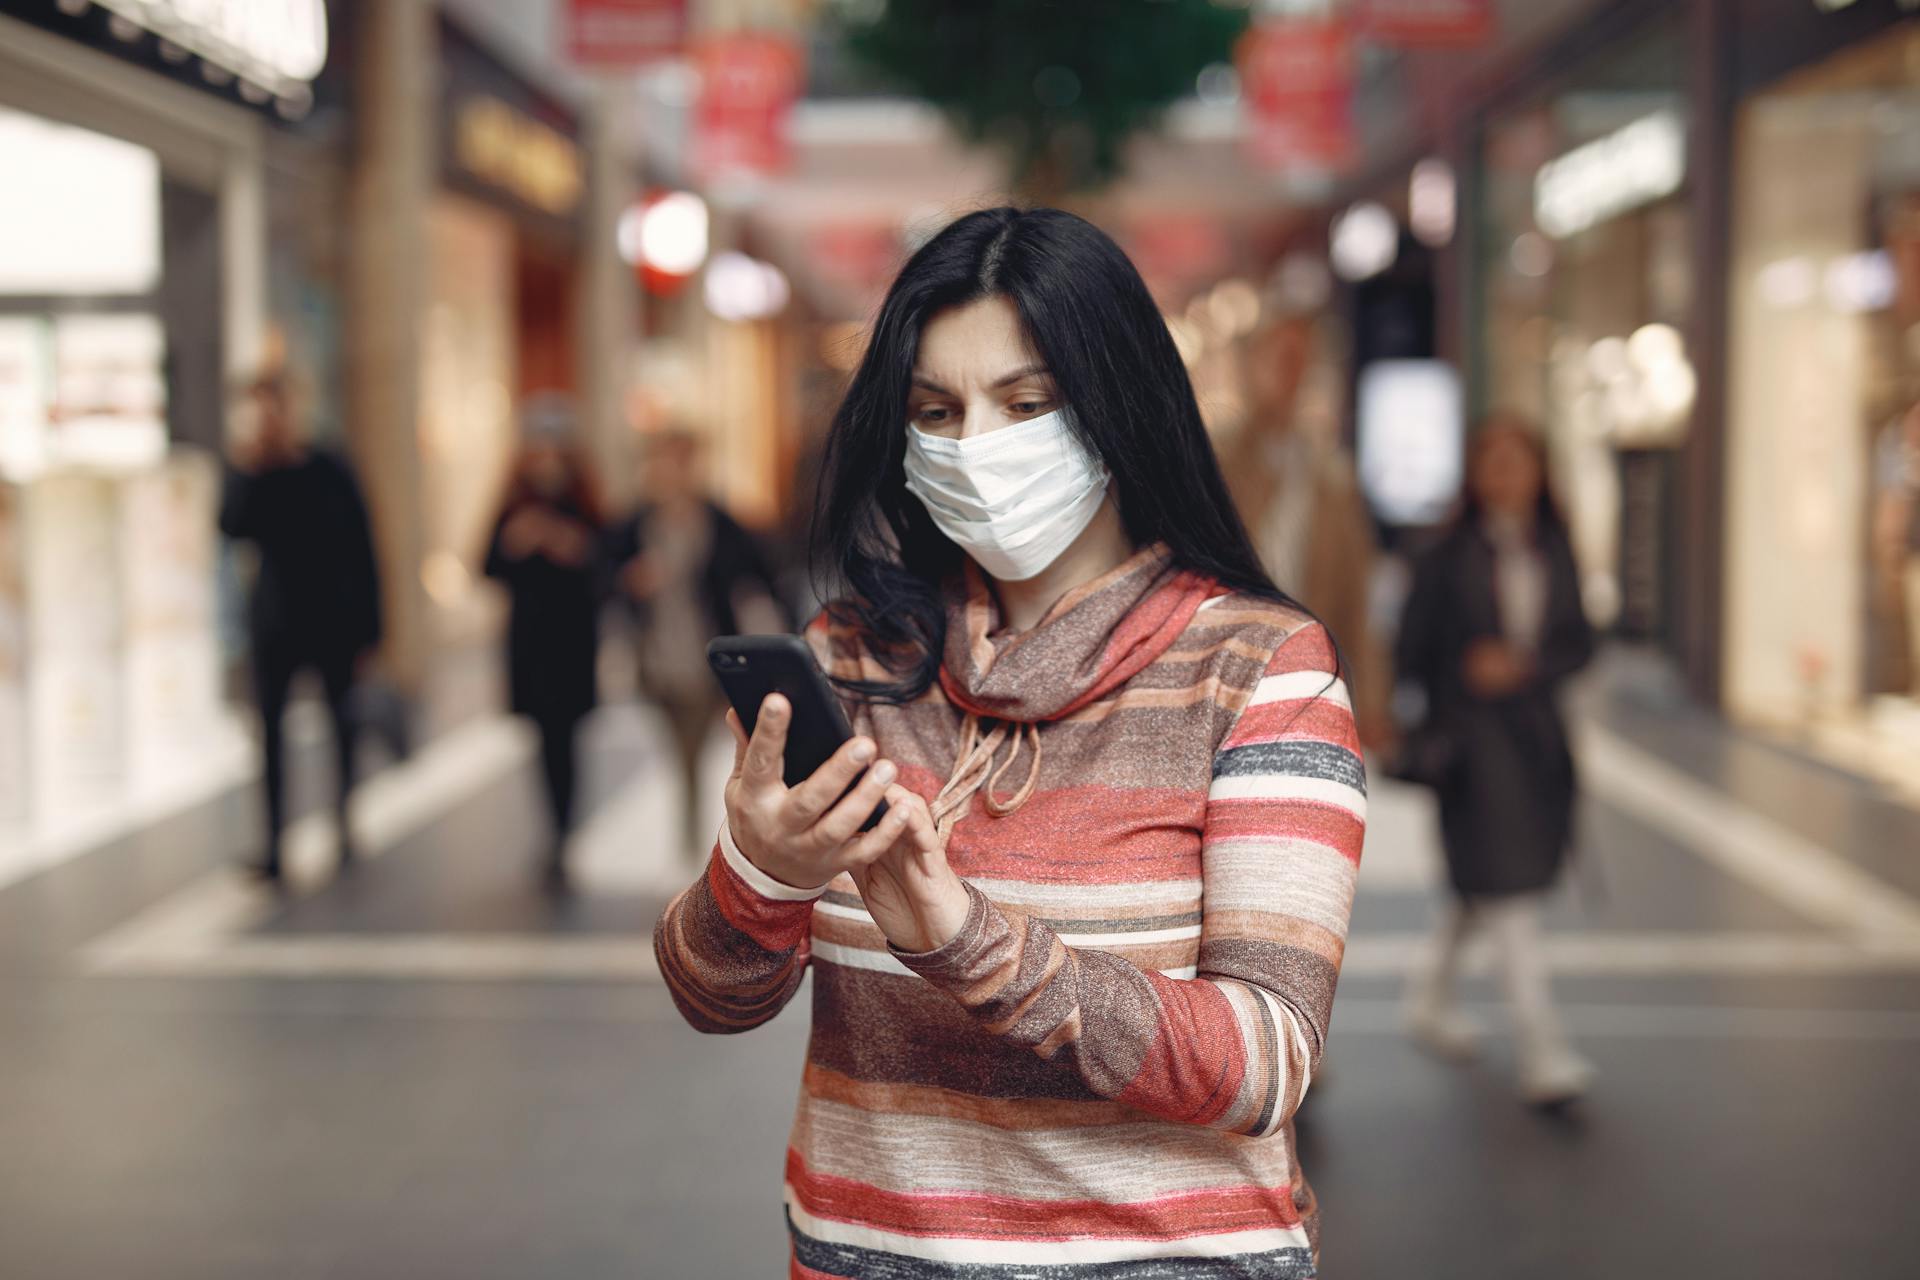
{"type": "Point", "coordinates": [1493, 626]}
{"type": "Point", "coordinates": [1069, 992]}
{"type": "Point", "coordinates": [545, 551]}
{"type": "Point", "coordinates": [687, 572]}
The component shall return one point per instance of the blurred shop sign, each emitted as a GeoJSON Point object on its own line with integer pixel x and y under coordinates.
{"type": "Point", "coordinates": [748, 83]}
{"type": "Point", "coordinates": [1178, 252]}
{"type": "Point", "coordinates": [279, 45]}
{"type": "Point", "coordinates": [612, 34]}
{"type": "Point", "coordinates": [1411, 432]}
{"type": "Point", "coordinates": [1632, 166]}
{"type": "Point", "coordinates": [517, 154]}
{"type": "Point", "coordinates": [1296, 77]}
{"type": "Point", "coordinates": [1426, 23]}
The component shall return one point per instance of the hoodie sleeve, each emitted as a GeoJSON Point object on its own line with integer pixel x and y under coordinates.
{"type": "Point", "coordinates": [1235, 1046]}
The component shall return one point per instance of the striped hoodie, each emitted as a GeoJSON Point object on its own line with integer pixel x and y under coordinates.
{"type": "Point", "coordinates": [1096, 1077]}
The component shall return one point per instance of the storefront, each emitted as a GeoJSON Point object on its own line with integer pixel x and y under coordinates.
{"type": "Point", "coordinates": [1823, 514]}
{"type": "Point", "coordinates": [503, 242]}
{"type": "Point", "coordinates": [1583, 284]}
{"type": "Point", "coordinates": [134, 271]}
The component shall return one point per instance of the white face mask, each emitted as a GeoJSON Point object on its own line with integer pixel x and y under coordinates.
{"type": "Point", "coordinates": [1013, 499]}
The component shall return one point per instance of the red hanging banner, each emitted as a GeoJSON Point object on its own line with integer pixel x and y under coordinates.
{"type": "Point", "coordinates": [748, 83]}
{"type": "Point", "coordinates": [611, 34]}
{"type": "Point", "coordinates": [1426, 23]}
{"type": "Point", "coordinates": [1296, 77]}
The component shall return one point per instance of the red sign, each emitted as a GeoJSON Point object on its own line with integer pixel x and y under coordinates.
{"type": "Point", "coordinates": [1296, 76]}
{"type": "Point", "coordinates": [748, 83]}
{"type": "Point", "coordinates": [624, 33]}
{"type": "Point", "coordinates": [1426, 23]}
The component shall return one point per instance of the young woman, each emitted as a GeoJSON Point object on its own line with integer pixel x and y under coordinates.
{"type": "Point", "coordinates": [1492, 628]}
{"type": "Point", "coordinates": [545, 550]}
{"type": "Point", "coordinates": [1068, 994]}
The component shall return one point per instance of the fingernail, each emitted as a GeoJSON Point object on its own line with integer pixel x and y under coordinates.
{"type": "Point", "coordinates": [883, 772]}
{"type": "Point", "coordinates": [863, 751]}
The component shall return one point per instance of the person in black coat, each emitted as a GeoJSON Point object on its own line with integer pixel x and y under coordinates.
{"type": "Point", "coordinates": [687, 572]}
{"type": "Point", "coordinates": [545, 549]}
{"type": "Point", "coordinates": [316, 599]}
{"type": "Point", "coordinates": [1492, 629]}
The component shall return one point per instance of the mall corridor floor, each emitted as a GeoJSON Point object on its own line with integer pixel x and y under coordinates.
{"type": "Point", "coordinates": [427, 1069]}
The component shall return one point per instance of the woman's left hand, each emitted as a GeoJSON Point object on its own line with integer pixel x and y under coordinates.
{"type": "Point", "coordinates": [910, 891]}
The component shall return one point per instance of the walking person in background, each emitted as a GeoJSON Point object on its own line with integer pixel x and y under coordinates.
{"type": "Point", "coordinates": [688, 572]}
{"type": "Point", "coordinates": [1297, 493]}
{"type": "Point", "coordinates": [316, 598]}
{"type": "Point", "coordinates": [545, 550]}
{"type": "Point", "coordinates": [1492, 629]}
{"type": "Point", "coordinates": [1069, 991]}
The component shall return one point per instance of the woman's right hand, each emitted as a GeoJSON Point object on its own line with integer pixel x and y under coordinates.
{"type": "Point", "coordinates": [806, 835]}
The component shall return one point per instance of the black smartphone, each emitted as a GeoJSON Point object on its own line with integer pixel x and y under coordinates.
{"type": "Point", "coordinates": [751, 667]}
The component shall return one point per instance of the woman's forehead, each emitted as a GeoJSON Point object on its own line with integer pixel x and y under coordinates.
{"type": "Point", "coordinates": [973, 344]}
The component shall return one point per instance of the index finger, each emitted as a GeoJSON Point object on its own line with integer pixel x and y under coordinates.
{"type": "Point", "coordinates": [767, 749]}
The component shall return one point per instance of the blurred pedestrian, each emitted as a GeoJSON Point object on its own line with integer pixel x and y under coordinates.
{"type": "Point", "coordinates": [688, 572]}
{"type": "Point", "coordinates": [316, 597]}
{"type": "Point", "coordinates": [1493, 627]}
{"type": "Point", "coordinates": [545, 550]}
{"type": "Point", "coordinates": [1070, 989]}
{"type": "Point", "coordinates": [1297, 493]}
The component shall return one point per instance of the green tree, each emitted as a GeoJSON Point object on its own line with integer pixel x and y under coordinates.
{"type": "Point", "coordinates": [1061, 85]}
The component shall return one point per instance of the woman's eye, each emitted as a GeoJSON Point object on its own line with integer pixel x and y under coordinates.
{"type": "Point", "coordinates": [1029, 406]}
{"type": "Point", "coordinates": [933, 413]}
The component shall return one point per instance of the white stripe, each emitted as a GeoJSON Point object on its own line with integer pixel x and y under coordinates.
{"type": "Point", "coordinates": [1284, 1016]}
{"type": "Point", "coordinates": [859, 958]}
{"type": "Point", "coordinates": [1300, 684]}
{"type": "Point", "coordinates": [1812, 880]}
{"type": "Point", "coordinates": [1039, 899]}
{"type": "Point", "coordinates": [1288, 786]}
{"type": "Point", "coordinates": [757, 880]}
{"type": "Point", "coordinates": [1211, 601]}
{"type": "Point", "coordinates": [1139, 938]}
{"type": "Point", "coordinates": [1041, 1252]}
{"type": "Point", "coordinates": [839, 912]}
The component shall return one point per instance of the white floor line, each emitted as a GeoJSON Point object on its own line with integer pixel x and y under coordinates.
{"type": "Point", "coordinates": [204, 915]}
{"type": "Point", "coordinates": [1811, 880]}
{"type": "Point", "coordinates": [1655, 954]}
{"type": "Point", "coordinates": [200, 947]}
{"type": "Point", "coordinates": [1660, 1022]}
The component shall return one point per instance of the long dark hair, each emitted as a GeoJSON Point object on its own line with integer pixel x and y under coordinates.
{"type": "Point", "coordinates": [1090, 318]}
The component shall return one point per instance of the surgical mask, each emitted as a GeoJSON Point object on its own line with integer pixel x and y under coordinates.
{"type": "Point", "coordinates": [1014, 498]}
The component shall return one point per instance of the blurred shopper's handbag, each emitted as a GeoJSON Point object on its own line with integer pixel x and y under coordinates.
{"type": "Point", "coordinates": [1427, 756]}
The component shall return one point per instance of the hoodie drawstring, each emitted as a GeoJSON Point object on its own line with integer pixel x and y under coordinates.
{"type": "Point", "coordinates": [974, 770]}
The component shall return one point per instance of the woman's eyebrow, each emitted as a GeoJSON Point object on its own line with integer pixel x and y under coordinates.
{"type": "Point", "coordinates": [1024, 371]}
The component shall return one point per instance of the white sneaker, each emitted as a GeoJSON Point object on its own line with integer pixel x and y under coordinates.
{"type": "Point", "coordinates": [1554, 1076]}
{"type": "Point", "coordinates": [1443, 1030]}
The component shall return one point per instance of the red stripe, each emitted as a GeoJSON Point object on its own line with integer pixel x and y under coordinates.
{"type": "Point", "coordinates": [1088, 835]}
{"type": "Point", "coordinates": [1293, 720]}
{"type": "Point", "coordinates": [1196, 1060]}
{"type": "Point", "coordinates": [1254, 819]}
{"type": "Point", "coordinates": [955, 1215]}
{"type": "Point", "coordinates": [775, 926]}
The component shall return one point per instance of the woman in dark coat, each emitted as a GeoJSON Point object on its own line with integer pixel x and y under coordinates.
{"type": "Point", "coordinates": [1493, 627]}
{"type": "Point", "coordinates": [545, 551]}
